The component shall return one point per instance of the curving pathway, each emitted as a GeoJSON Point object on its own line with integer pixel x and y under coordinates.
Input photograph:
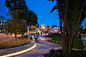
{"type": "Point", "coordinates": [43, 48]}
{"type": "Point", "coordinates": [40, 50]}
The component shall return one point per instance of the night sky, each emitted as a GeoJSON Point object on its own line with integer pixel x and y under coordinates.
{"type": "Point", "coordinates": [42, 8]}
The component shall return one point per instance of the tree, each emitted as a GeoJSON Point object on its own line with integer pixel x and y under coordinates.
{"type": "Point", "coordinates": [18, 11]}
{"type": "Point", "coordinates": [22, 27]}
{"type": "Point", "coordinates": [72, 14]}
{"type": "Point", "coordinates": [14, 5]}
{"type": "Point", "coordinates": [14, 26]}
{"type": "Point", "coordinates": [40, 28]}
{"type": "Point", "coordinates": [31, 19]}
{"type": "Point", "coordinates": [54, 26]}
{"type": "Point", "coordinates": [8, 26]}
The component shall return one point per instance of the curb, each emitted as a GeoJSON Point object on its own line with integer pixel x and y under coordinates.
{"type": "Point", "coordinates": [18, 50]}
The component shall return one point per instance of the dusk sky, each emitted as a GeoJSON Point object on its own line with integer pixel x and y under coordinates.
{"type": "Point", "coordinates": [42, 8]}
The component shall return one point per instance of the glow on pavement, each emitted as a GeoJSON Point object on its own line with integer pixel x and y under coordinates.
{"type": "Point", "coordinates": [41, 38]}
{"type": "Point", "coordinates": [20, 52]}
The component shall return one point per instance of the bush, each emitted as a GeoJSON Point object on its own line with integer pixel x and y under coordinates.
{"type": "Point", "coordinates": [14, 43]}
{"type": "Point", "coordinates": [25, 36]}
{"type": "Point", "coordinates": [58, 53]}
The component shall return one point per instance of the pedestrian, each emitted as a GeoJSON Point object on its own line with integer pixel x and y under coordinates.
{"type": "Point", "coordinates": [38, 33]}
{"type": "Point", "coordinates": [36, 36]}
{"type": "Point", "coordinates": [31, 37]}
{"type": "Point", "coordinates": [41, 33]}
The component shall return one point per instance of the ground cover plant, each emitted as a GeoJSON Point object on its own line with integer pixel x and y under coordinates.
{"type": "Point", "coordinates": [59, 53]}
{"type": "Point", "coordinates": [13, 42]}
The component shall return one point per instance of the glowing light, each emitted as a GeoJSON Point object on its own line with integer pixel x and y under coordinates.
{"type": "Point", "coordinates": [43, 27]}
{"type": "Point", "coordinates": [20, 52]}
{"type": "Point", "coordinates": [41, 38]}
{"type": "Point", "coordinates": [1, 23]}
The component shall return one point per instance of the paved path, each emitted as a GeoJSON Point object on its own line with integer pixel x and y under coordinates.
{"type": "Point", "coordinates": [43, 48]}
{"type": "Point", "coordinates": [40, 50]}
{"type": "Point", "coordinates": [83, 37]}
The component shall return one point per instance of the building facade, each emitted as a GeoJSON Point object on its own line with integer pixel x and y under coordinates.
{"type": "Point", "coordinates": [2, 23]}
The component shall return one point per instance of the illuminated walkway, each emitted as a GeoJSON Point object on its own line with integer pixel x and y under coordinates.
{"type": "Point", "coordinates": [43, 48]}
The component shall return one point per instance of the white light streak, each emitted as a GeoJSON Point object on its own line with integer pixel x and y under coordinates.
{"type": "Point", "coordinates": [20, 52]}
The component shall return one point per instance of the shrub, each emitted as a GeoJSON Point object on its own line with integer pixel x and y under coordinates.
{"type": "Point", "coordinates": [58, 53]}
{"type": "Point", "coordinates": [14, 43]}
{"type": "Point", "coordinates": [25, 36]}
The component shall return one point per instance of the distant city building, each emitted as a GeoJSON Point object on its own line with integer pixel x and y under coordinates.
{"type": "Point", "coordinates": [2, 23]}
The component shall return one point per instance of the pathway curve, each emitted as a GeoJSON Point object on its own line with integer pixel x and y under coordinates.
{"type": "Point", "coordinates": [43, 48]}
{"type": "Point", "coordinates": [40, 50]}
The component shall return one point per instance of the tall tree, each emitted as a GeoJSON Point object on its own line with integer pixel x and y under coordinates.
{"type": "Point", "coordinates": [31, 19]}
{"type": "Point", "coordinates": [18, 10]}
{"type": "Point", "coordinates": [14, 26]}
{"type": "Point", "coordinates": [54, 26]}
{"type": "Point", "coordinates": [14, 5]}
{"type": "Point", "coordinates": [7, 27]}
{"type": "Point", "coordinates": [22, 27]}
{"type": "Point", "coordinates": [72, 14]}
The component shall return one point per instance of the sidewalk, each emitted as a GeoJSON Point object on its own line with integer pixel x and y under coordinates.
{"type": "Point", "coordinates": [83, 37]}
{"type": "Point", "coordinates": [17, 50]}
{"type": "Point", "coordinates": [43, 48]}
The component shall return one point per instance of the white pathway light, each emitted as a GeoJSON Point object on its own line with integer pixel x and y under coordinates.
{"type": "Point", "coordinates": [20, 52]}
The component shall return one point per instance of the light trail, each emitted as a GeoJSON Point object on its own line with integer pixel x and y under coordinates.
{"type": "Point", "coordinates": [20, 52]}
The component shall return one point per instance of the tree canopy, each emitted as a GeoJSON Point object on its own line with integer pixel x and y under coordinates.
{"type": "Point", "coordinates": [21, 15]}
{"type": "Point", "coordinates": [54, 26]}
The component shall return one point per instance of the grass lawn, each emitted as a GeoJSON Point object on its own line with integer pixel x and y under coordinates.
{"type": "Point", "coordinates": [57, 37]}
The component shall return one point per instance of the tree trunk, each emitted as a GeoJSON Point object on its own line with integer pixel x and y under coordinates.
{"type": "Point", "coordinates": [29, 30]}
{"type": "Point", "coordinates": [73, 34]}
{"type": "Point", "coordinates": [22, 35]}
{"type": "Point", "coordinates": [15, 35]}
{"type": "Point", "coordinates": [60, 18]}
{"type": "Point", "coordinates": [64, 46]}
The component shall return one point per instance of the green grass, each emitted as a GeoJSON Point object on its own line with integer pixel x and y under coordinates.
{"type": "Point", "coordinates": [57, 37]}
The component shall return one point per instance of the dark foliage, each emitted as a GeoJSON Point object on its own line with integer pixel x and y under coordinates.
{"type": "Point", "coordinates": [59, 53]}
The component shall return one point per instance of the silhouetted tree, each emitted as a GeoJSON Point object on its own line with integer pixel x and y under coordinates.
{"type": "Point", "coordinates": [54, 26]}
{"type": "Point", "coordinates": [72, 16]}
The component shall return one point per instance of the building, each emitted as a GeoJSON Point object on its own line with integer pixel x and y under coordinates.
{"type": "Point", "coordinates": [54, 30]}
{"type": "Point", "coordinates": [2, 23]}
